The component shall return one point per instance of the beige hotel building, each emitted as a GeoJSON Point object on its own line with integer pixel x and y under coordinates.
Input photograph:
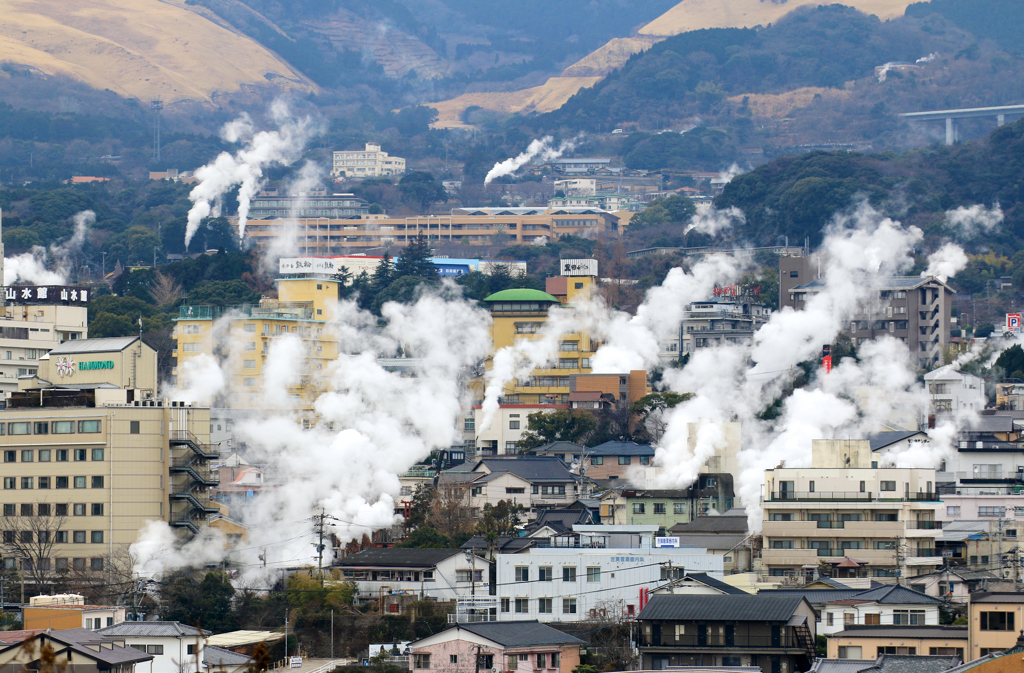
{"type": "Point", "coordinates": [90, 455]}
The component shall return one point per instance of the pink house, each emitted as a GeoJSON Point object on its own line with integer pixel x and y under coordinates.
{"type": "Point", "coordinates": [496, 647]}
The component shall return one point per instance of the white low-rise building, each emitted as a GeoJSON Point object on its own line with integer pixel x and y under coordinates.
{"type": "Point", "coordinates": [175, 647]}
{"type": "Point", "coordinates": [955, 392]}
{"type": "Point", "coordinates": [888, 605]}
{"type": "Point", "coordinates": [396, 576]}
{"type": "Point", "coordinates": [600, 572]}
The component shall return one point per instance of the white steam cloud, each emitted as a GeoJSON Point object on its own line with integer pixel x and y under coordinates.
{"type": "Point", "coordinates": [371, 426]}
{"type": "Point", "coordinates": [709, 220]}
{"type": "Point", "coordinates": [42, 266]}
{"type": "Point", "coordinates": [946, 262]}
{"type": "Point", "coordinates": [972, 221]}
{"type": "Point", "coordinates": [245, 167]}
{"type": "Point", "coordinates": [538, 149]}
{"type": "Point", "coordinates": [928, 59]}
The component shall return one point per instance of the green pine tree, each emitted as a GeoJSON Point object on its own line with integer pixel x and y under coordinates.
{"type": "Point", "coordinates": [415, 260]}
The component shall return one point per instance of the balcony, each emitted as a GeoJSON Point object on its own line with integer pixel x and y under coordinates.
{"type": "Point", "coordinates": [850, 496]}
{"type": "Point", "coordinates": [926, 525]}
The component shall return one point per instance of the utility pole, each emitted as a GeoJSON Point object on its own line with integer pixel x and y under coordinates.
{"type": "Point", "coordinates": [318, 526]}
{"type": "Point", "coordinates": [899, 559]}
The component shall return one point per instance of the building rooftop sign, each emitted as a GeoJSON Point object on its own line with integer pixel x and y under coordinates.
{"type": "Point", "coordinates": [47, 294]}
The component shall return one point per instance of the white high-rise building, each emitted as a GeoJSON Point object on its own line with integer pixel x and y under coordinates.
{"type": "Point", "coordinates": [368, 163]}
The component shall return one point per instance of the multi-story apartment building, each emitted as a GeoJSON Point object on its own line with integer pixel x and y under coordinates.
{"type": "Point", "coordinates": [34, 321]}
{"type": "Point", "coordinates": [913, 309]}
{"type": "Point", "coordinates": [722, 320]}
{"type": "Point", "coordinates": [535, 482]}
{"type": "Point", "coordinates": [88, 461]}
{"type": "Point", "coordinates": [369, 162]}
{"type": "Point", "coordinates": [773, 633]}
{"type": "Point", "coordinates": [312, 204]}
{"type": "Point", "coordinates": [244, 334]}
{"type": "Point", "coordinates": [994, 622]}
{"type": "Point", "coordinates": [883, 520]}
{"type": "Point", "coordinates": [324, 236]}
{"type": "Point", "coordinates": [521, 314]}
{"type": "Point", "coordinates": [667, 508]}
{"type": "Point", "coordinates": [595, 571]}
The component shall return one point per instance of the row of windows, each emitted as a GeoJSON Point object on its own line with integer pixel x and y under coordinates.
{"type": "Point", "coordinates": [486, 661]}
{"type": "Point", "coordinates": [545, 606]}
{"type": "Point", "coordinates": [57, 509]}
{"type": "Point", "coordinates": [46, 455]}
{"type": "Point", "coordinates": [546, 573]}
{"type": "Point", "coordinates": [57, 537]}
{"type": "Point", "coordinates": [47, 427]}
{"type": "Point", "coordinates": [623, 460]}
{"type": "Point", "coordinates": [11, 483]}
{"type": "Point", "coordinates": [660, 508]}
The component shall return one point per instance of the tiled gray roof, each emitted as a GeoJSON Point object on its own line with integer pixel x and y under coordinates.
{"type": "Point", "coordinates": [876, 631]}
{"type": "Point", "coordinates": [521, 634]}
{"type": "Point", "coordinates": [762, 608]}
{"type": "Point", "coordinates": [82, 641]}
{"type": "Point", "coordinates": [502, 543]}
{"type": "Point", "coordinates": [709, 581]}
{"type": "Point", "coordinates": [530, 468]}
{"type": "Point", "coordinates": [880, 440]}
{"type": "Point", "coordinates": [896, 594]}
{"type": "Point", "coordinates": [152, 629]}
{"type": "Point", "coordinates": [906, 663]}
{"type": "Point", "coordinates": [621, 449]}
{"type": "Point", "coordinates": [814, 596]}
{"type": "Point", "coordinates": [398, 558]}
{"type": "Point", "coordinates": [840, 665]}
{"type": "Point", "coordinates": [218, 656]}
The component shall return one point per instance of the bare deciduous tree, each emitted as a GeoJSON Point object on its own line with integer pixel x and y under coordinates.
{"type": "Point", "coordinates": [31, 539]}
{"type": "Point", "coordinates": [449, 511]}
{"type": "Point", "coordinates": [165, 289]}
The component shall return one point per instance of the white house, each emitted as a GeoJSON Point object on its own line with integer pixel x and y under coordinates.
{"type": "Point", "coordinates": [953, 391]}
{"type": "Point", "coordinates": [389, 575]}
{"type": "Point", "coordinates": [894, 605]}
{"type": "Point", "coordinates": [596, 570]}
{"type": "Point", "coordinates": [175, 647]}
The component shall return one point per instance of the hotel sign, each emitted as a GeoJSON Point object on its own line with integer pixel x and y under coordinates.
{"type": "Point", "coordinates": [47, 294]}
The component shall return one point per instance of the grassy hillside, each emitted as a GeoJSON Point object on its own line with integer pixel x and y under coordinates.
{"type": "Point", "coordinates": [139, 48]}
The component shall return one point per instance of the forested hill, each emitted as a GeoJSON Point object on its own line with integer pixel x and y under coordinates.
{"type": "Point", "coordinates": [692, 72]}
{"type": "Point", "coordinates": [797, 196]}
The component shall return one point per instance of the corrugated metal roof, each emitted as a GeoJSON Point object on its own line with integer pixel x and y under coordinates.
{"type": "Point", "coordinates": [521, 634]}
{"type": "Point", "coordinates": [713, 524]}
{"type": "Point", "coordinates": [240, 638]}
{"type": "Point", "coordinates": [94, 345]}
{"type": "Point", "coordinates": [398, 558]}
{"type": "Point", "coordinates": [153, 629]}
{"type": "Point", "coordinates": [761, 608]}
{"type": "Point", "coordinates": [218, 656]}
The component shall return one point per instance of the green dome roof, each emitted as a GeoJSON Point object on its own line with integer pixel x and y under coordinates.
{"type": "Point", "coordinates": [522, 294]}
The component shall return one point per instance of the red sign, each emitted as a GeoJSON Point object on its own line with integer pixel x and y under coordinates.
{"type": "Point", "coordinates": [826, 363]}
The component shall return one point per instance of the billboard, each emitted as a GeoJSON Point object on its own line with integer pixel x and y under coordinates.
{"type": "Point", "coordinates": [47, 294]}
{"type": "Point", "coordinates": [1013, 322]}
{"type": "Point", "coordinates": [666, 542]}
{"type": "Point", "coordinates": [578, 267]}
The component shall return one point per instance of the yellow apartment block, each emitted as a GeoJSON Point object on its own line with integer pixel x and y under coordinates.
{"type": "Point", "coordinates": [241, 338]}
{"type": "Point", "coordinates": [520, 314]}
{"type": "Point", "coordinates": [88, 461]}
{"type": "Point", "coordinates": [994, 620]}
{"type": "Point", "coordinates": [470, 226]}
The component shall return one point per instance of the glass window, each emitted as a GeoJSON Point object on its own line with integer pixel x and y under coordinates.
{"type": "Point", "coordinates": [41, 428]}
{"type": "Point", "coordinates": [568, 606]}
{"type": "Point", "coordinates": [513, 425]}
{"type": "Point", "coordinates": [27, 456]}
{"type": "Point", "coordinates": [78, 536]}
{"type": "Point", "coordinates": [10, 456]}
{"type": "Point", "coordinates": [597, 460]}
{"type": "Point", "coordinates": [61, 482]}
{"type": "Point", "coordinates": [544, 606]}
{"type": "Point", "coordinates": [62, 455]}
{"type": "Point", "coordinates": [61, 537]}
{"type": "Point", "coordinates": [10, 482]}
{"type": "Point", "coordinates": [10, 510]}
{"type": "Point", "coordinates": [133, 427]}
{"type": "Point", "coordinates": [97, 454]}
{"type": "Point", "coordinates": [20, 428]}
{"type": "Point", "coordinates": [623, 460]}
{"type": "Point", "coordinates": [505, 605]}
{"type": "Point", "coordinates": [594, 573]}
{"type": "Point", "coordinates": [522, 605]}
{"type": "Point", "coordinates": [81, 454]}
{"type": "Point", "coordinates": [78, 508]}
{"type": "Point", "coordinates": [62, 427]}
{"type": "Point", "coordinates": [544, 574]}
{"type": "Point", "coordinates": [89, 426]}
{"type": "Point", "coordinates": [679, 508]}
{"type": "Point", "coordinates": [568, 573]}
{"type": "Point", "coordinates": [997, 621]}
{"type": "Point", "coordinates": [44, 482]}
{"type": "Point", "coordinates": [97, 537]}
{"type": "Point", "coordinates": [79, 482]}
{"type": "Point", "coordinates": [26, 482]}
{"type": "Point", "coordinates": [97, 482]}
{"type": "Point", "coordinates": [522, 573]}
{"type": "Point", "coordinates": [542, 660]}
{"type": "Point", "coordinates": [887, 486]}
{"type": "Point", "coordinates": [44, 455]}
{"type": "Point", "coordinates": [659, 508]}
{"type": "Point", "coordinates": [154, 649]}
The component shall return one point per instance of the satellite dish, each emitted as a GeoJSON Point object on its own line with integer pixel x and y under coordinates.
{"type": "Point", "coordinates": [494, 670]}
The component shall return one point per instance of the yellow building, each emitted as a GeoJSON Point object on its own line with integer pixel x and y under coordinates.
{"type": "Point", "coordinates": [863, 641]}
{"type": "Point", "coordinates": [241, 337]}
{"type": "Point", "coordinates": [88, 460]}
{"type": "Point", "coordinates": [520, 314]}
{"type": "Point", "coordinates": [995, 619]}
{"type": "Point", "coordinates": [471, 226]}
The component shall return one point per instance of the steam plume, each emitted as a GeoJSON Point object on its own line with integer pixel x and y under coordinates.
{"type": "Point", "coordinates": [245, 168]}
{"type": "Point", "coordinates": [372, 425]}
{"type": "Point", "coordinates": [49, 267]}
{"type": "Point", "coordinates": [709, 220]}
{"type": "Point", "coordinates": [540, 148]}
{"type": "Point", "coordinates": [973, 221]}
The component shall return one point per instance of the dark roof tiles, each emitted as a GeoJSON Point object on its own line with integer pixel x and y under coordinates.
{"type": "Point", "coordinates": [719, 607]}
{"type": "Point", "coordinates": [398, 558]}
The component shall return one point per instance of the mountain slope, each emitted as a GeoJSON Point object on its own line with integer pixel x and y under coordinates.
{"type": "Point", "coordinates": [687, 16]}
{"type": "Point", "coordinates": [139, 48]}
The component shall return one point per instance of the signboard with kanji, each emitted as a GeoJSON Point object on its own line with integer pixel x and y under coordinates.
{"type": "Point", "coordinates": [47, 294]}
